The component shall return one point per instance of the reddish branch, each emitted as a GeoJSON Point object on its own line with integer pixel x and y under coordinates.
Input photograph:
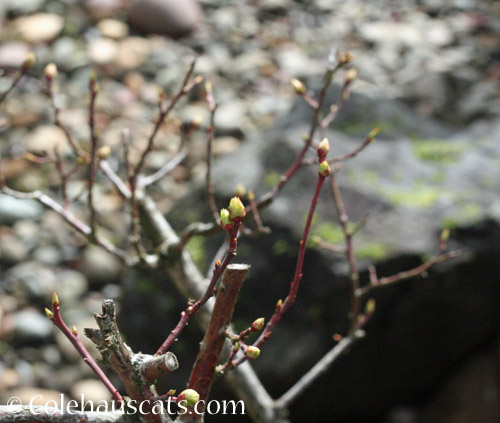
{"type": "Point", "coordinates": [294, 286]}
{"type": "Point", "coordinates": [72, 336]}
{"type": "Point", "coordinates": [203, 371]}
{"type": "Point", "coordinates": [193, 309]}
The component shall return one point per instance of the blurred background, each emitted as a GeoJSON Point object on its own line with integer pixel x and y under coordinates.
{"type": "Point", "coordinates": [428, 77]}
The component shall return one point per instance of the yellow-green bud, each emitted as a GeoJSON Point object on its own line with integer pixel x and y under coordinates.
{"type": "Point", "coordinates": [370, 306]}
{"type": "Point", "coordinates": [236, 209]}
{"type": "Point", "coordinates": [28, 62]}
{"type": "Point", "coordinates": [171, 392]}
{"type": "Point", "coordinates": [258, 324]}
{"type": "Point", "coordinates": [252, 352]}
{"type": "Point", "coordinates": [73, 329]}
{"type": "Point", "coordinates": [323, 147]}
{"type": "Point", "coordinates": [373, 133]}
{"type": "Point", "coordinates": [50, 71]}
{"type": "Point", "coordinates": [240, 190]}
{"type": "Point", "coordinates": [324, 169]}
{"type": "Point", "coordinates": [445, 235]}
{"type": "Point", "coordinates": [104, 152]}
{"type": "Point", "coordinates": [49, 314]}
{"type": "Point", "coordinates": [298, 86]}
{"type": "Point", "coordinates": [225, 220]}
{"type": "Point", "coordinates": [350, 75]}
{"type": "Point", "coordinates": [190, 396]}
{"type": "Point", "coordinates": [55, 299]}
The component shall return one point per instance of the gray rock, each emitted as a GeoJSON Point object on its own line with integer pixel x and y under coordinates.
{"type": "Point", "coordinates": [31, 327]}
{"type": "Point", "coordinates": [169, 17]}
{"type": "Point", "coordinates": [100, 266]}
{"type": "Point", "coordinates": [13, 209]}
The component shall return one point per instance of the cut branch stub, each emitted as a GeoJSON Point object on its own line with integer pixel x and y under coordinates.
{"type": "Point", "coordinates": [203, 371]}
{"type": "Point", "coordinates": [153, 367]}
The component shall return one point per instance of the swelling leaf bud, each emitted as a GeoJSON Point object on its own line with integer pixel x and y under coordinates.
{"type": "Point", "coordinates": [258, 324]}
{"type": "Point", "coordinates": [73, 329]}
{"type": "Point", "coordinates": [350, 75]}
{"type": "Point", "coordinates": [323, 148]}
{"type": "Point", "coordinates": [298, 86]}
{"type": "Point", "coordinates": [50, 71]}
{"type": "Point", "coordinates": [236, 209]}
{"type": "Point", "coordinates": [190, 396]}
{"type": "Point", "coordinates": [373, 133]}
{"type": "Point", "coordinates": [49, 314]}
{"type": "Point", "coordinates": [370, 306]}
{"type": "Point", "coordinates": [445, 235]}
{"type": "Point", "coordinates": [324, 169]}
{"type": "Point", "coordinates": [55, 299]}
{"type": "Point", "coordinates": [103, 152]}
{"type": "Point", "coordinates": [252, 352]}
{"type": "Point", "coordinates": [225, 221]}
{"type": "Point", "coordinates": [28, 62]}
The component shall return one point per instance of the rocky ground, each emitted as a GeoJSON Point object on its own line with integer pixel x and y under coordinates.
{"type": "Point", "coordinates": [429, 77]}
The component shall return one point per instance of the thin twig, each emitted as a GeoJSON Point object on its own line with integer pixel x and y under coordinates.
{"type": "Point", "coordinates": [209, 186]}
{"type": "Point", "coordinates": [351, 257]}
{"type": "Point", "coordinates": [193, 309]}
{"type": "Point", "coordinates": [93, 153]}
{"type": "Point", "coordinates": [72, 336]}
{"type": "Point", "coordinates": [186, 87]}
{"type": "Point", "coordinates": [281, 308]}
{"type": "Point", "coordinates": [163, 171]}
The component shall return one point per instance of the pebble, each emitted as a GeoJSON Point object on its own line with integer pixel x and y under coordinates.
{"type": "Point", "coordinates": [229, 118]}
{"type": "Point", "coordinates": [8, 379]}
{"type": "Point", "coordinates": [113, 28]}
{"type": "Point", "coordinates": [100, 266]}
{"type": "Point", "coordinates": [103, 51]}
{"type": "Point", "coordinates": [38, 28]}
{"type": "Point", "coordinates": [133, 52]}
{"type": "Point", "coordinates": [13, 209]}
{"type": "Point", "coordinates": [13, 53]}
{"type": "Point", "coordinates": [169, 17]}
{"type": "Point", "coordinates": [12, 250]}
{"type": "Point", "coordinates": [30, 327]}
{"type": "Point", "coordinates": [46, 139]}
{"type": "Point", "coordinates": [90, 390]}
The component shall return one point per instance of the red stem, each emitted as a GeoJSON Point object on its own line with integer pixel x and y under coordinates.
{"type": "Point", "coordinates": [210, 291]}
{"type": "Point", "coordinates": [87, 358]}
{"type": "Point", "coordinates": [294, 286]}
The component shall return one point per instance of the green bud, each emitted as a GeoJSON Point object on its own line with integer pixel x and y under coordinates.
{"type": "Point", "coordinates": [258, 324]}
{"type": "Point", "coordinates": [445, 235]}
{"type": "Point", "coordinates": [252, 352]}
{"type": "Point", "coordinates": [190, 396]}
{"type": "Point", "coordinates": [49, 314]}
{"type": "Point", "coordinates": [298, 86]}
{"type": "Point", "coordinates": [370, 306]}
{"type": "Point", "coordinates": [323, 147]}
{"type": "Point", "coordinates": [50, 71]}
{"type": "Point", "coordinates": [55, 299]}
{"type": "Point", "coordinates": [373, 133]}
{"type": "Point", "coordinates": [28, 62]}
{"type": "Point", "coordinates": [225, 220]}
{"type": "Point", "coordinates": [324, 169]}
{"type": "Point", "coordinates": [236, 209]}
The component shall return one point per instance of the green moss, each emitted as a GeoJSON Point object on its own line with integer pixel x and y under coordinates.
{"type": "Point", "coordinates": [372, 251]}
{"type": "Point", "coordinates": [195, 247]}
{"type": "Point", "coordinates": [417, 197]}
{"type": "Point", "coordinates": [329, 232]}
{"type": "Point", "coordinates": [437, 151]}
{"type": "Point", "coordinates": [271, 178]}
{"type": "Point", "coordinates": [281, 247]}
{"type": "Point", "coordinates": [466, 214]}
